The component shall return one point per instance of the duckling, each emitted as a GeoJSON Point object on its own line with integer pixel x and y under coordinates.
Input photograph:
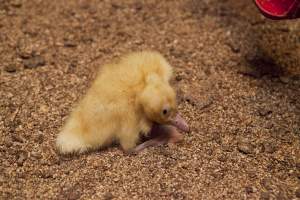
{"type": "Point", "coordinates": [126, 99]}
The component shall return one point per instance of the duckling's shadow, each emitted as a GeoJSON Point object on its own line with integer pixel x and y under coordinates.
{"type": "Point", "coordinates": [262, 49]}
{"type": "Point", "coordinates": [262, 65]}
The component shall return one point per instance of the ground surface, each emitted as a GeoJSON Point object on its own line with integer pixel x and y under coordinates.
{"type": "Point", "coordinates": [238, 81]}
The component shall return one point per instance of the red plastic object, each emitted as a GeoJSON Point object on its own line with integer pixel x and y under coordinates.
{"type": "Point", "coordinates": [279, 9]}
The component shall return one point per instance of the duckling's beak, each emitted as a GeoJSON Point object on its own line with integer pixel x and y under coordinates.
{"type": "Point", "coordinates": [180, 123]}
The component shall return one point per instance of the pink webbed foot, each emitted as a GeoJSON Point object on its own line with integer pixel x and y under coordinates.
{"type": "Point", "coordinates": [164, 134]}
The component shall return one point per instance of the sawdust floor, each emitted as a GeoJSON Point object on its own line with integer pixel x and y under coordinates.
{"type": "Point", "coordinates": [237, 76]}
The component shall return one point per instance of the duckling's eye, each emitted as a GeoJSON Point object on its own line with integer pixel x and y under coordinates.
{"type": "Point", "coordinates": [165, 111]}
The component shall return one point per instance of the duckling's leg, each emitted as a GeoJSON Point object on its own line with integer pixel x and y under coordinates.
{"type": "Point", "coordinates": [162, 134]}
{"type": "Point", "coordinates": [128, 137]}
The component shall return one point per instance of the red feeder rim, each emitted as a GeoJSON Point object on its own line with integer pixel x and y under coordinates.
{"type": "Point", "coordinates": [279, 9]}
